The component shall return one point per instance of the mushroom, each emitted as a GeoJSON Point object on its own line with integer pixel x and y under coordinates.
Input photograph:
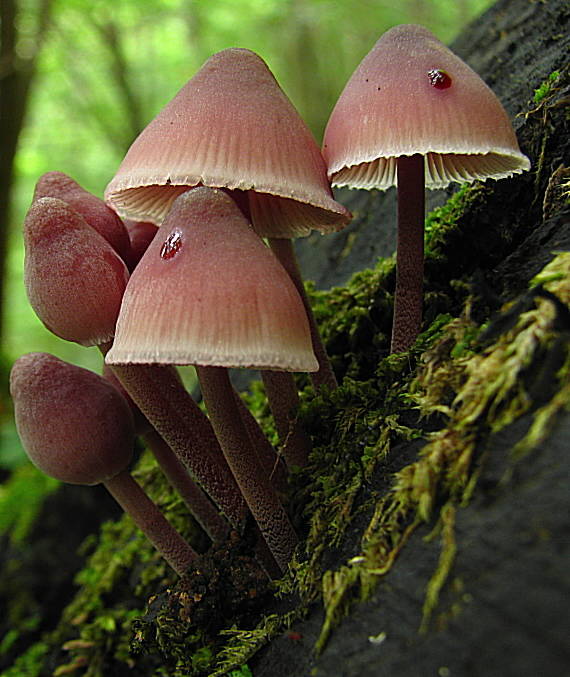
{"type": "Point", "coordinates": [231, 126]}
{"type": "Point", "coordinates": [75, 282]}
{"type": "Point", "coordinates": [76, 427]}
{"type": "Point", "coordinates": [208, 292]}
{"type": "Point", "coordinates": [413, 114]}
{"type": "Point", "coordinates": [141, 234]}
{"type": "Point", "coordinates": [74, 278]}
{"type": "Point", "coordinates": [95, 212]}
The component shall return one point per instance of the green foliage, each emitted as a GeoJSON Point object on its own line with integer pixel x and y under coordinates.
{"type": "Point", "coordinates": [540, 93]}
{"type": "Point", "coordinates": [30, 663]}
{"type": "Point", "coordinates": [21, 497]}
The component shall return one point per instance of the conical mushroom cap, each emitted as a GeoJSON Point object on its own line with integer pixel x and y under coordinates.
{"type": "Point", "coordinates": [208, 291]}
{"type": "Point", "coordinates": [410, 95]}
{"type": "Point", "coordinates": [95, 212]}
{"type": "Point", "coordinates": [74, 278]}
{"type": "Point", "coordinates": [74, 425]}
{"type": "Point", "coordinates": [231, 126]}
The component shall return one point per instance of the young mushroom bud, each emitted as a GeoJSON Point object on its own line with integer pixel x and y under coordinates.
{"type": "Point", "coordinates": [74, 278]}
{"type": "Point", "coordinates": [76, 427]}
{"type": "Point", "coordinates": [95, 212]}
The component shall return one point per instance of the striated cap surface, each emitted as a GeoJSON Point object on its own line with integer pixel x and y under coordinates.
{"type": "Point", "coordinates": [208, 291]}
{"type": "Point", "coordinates": [409, 95]}
{"type": "Point", "coordinates": [231, 126]}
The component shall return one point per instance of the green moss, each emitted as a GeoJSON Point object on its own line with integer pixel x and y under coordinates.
{"type": "Point", "coordinates": [30, 663]}
{"type": "Point", "coordinates": [545, 88]}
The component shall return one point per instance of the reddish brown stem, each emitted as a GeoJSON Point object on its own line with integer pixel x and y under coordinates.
{"type": "Point", "coordinates": [284, 251]}
{"type": "Point", "coordinates": [267, 456]}
{"type": "Point", "coordinates": [284, 403]}
{"type": "Point", "coordinates": [151, 522]}
{"type": "Point", "coordinates": [203, 510]}
{"type": "Point", "coordinates": [170, 409]}
{"type": "Point", "coordinates": [256, 487]}
{"type": "Point", "coordinates": [408, 298]}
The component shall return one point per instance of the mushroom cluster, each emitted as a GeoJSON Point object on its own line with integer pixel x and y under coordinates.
{"type": "Point", "coordinates": [190, 261]}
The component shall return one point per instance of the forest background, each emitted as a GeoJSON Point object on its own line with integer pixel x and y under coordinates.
{"type": "Point", "coordinates": [79, 80]}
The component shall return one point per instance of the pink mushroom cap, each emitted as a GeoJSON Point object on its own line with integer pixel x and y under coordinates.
{"type": "Point", "coordinates": [74, 278]}
{"type": "Point", "coordinates": [74, 425]}
{"type": "Point", "coordinates": [95, 212]}
{"type": "Point", "coordinates": [208, 291]}
{"type": "Point", "coordinates": [231, 126]}
{"type": "Point", "coordinates": [412, 95]}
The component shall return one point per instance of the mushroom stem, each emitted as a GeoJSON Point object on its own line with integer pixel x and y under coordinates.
{"type": "Point", "coordinates": [408, 298]}
{"type": "Point", "coordinates": [284, 251]}
{"type": "Point", "coordinates": [196, 500]}
{"type": "Point", "coordinates": [256, 487]}
{"type": "Point", "coordinates": [173, 413]}
{"type": "Point", "coordinates": [151, 522]}
{"type": "Point", "coordinates": [268, 458]}
{"type": "Point", "coordinates": [284, 403]}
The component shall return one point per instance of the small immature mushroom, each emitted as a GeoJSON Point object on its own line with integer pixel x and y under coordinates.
{"type": "Point", "coordinates": [141, 234]}
{"type": "Point", "coordinates": [75, 426]}
{"type": "Point", "coordinates": [209, 292]}
{"type": "Point", "coordinates": [413, 114]}
{"type": "Point", "coordinates": [231, 126]}
{"type": "Point", "coordinates": [74, 278]}
{"type": "Point", "coordinates": [95, 212]}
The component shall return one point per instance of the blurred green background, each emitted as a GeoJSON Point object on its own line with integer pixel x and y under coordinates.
{"type": "Point", "coordinates": [79, 79]}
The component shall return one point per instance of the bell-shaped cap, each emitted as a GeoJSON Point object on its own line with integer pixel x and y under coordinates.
{"type": "Point", "coordinates": [95, 212]}
{"type": "Point", "coordinates": [410, 95]}
{"type": "Point", "coordinates": [208, 291]}
{"type": "Point", "coordinates": [231, 126]}
{"type": "Point", "coordinates": [74, 425]}
{"type": "Point", "coordinates": [74, 278]}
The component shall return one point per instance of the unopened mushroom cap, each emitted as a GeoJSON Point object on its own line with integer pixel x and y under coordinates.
{"type": "Point", "coordinates": [208, 291]}
{"type": "Point", "coordinates": [410, 95]}
{"type": "Point", "coordinates": [231, 126]}
{"type": "Point", "coordinates": [74, 278]}
{"type": "Point", "coordinates": [74, 425]}
{"type": "Point", "coordinates": [95, 212]}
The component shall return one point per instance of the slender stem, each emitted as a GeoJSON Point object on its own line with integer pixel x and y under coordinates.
{"type": "Point", "coordinates": [408, 299]}
{"type": "Point", "coordinates": [284, 251]}
{"type": "Point", "coordinates": [204, 511]}
{"type": "Point", "coordinates": [255, 486]}
{"type": "Point", "coordinates": [162, 398]}
{"type": "Point", "coordinates": [266, 455]}
{"type": "Point", "coordinates": [284, 403]}
{"type": "Point", "coordinates": [151, 522]}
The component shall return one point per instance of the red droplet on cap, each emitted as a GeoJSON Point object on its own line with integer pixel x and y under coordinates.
{"type": "Point", "coordinates": [171, 245]}
{"type": "Point", "coordinates": [439, 79]}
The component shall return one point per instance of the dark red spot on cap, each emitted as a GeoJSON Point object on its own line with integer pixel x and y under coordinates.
{"type": "Point", "coordinates": [439, 79]}
{"type": "Point", "coordinates": [171, 245]}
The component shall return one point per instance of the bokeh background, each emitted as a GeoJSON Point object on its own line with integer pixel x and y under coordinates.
{"type": "Point", "coordinates": [80, 79]}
